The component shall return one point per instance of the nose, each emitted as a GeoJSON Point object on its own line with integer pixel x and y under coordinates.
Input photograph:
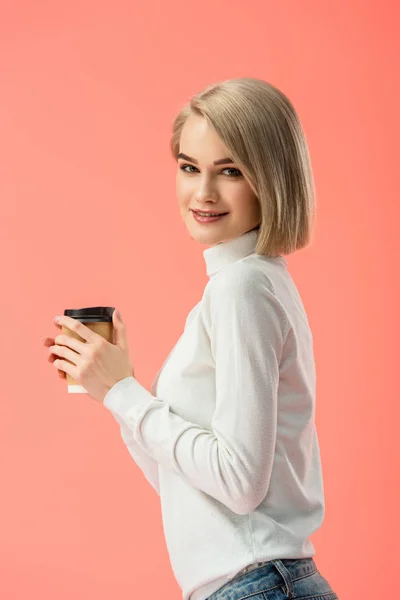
{"type": "Point", "coordinates": [205, 193]}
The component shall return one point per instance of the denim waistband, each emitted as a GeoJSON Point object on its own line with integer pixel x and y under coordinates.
{"type": "Point", "coordinates": [250, 568]}
{"type": "Point", "coordinates": [273, 573]}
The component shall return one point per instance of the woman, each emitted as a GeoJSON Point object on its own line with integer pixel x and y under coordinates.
{"type": "Point", "coordinates": [227, 435]}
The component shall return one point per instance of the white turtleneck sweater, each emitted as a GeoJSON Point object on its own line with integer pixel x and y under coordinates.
{"type": "Point", "coordinates": [227, 434]}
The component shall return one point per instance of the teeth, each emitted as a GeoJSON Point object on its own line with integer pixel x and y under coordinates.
{"type": "Point", "coordinates": [209, 214]}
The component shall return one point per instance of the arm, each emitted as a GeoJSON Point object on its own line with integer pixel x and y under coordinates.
{"type": "Point", "coordinates": [232, 462]}
{"type": "Point", "coordinates": [147, 465]}
{"type": "Point", "coordinates": [142, 458]}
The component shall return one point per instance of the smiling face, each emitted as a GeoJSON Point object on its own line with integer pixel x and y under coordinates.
{"type": "Point", "coordinates": [203, 185]}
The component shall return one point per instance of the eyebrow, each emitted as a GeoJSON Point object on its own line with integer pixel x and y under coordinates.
{"type": "Point", "coordinates": [221, 161]}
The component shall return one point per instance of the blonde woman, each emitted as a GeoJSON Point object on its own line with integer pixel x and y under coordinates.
{"type": "Point", "coordinates": [227, 436]}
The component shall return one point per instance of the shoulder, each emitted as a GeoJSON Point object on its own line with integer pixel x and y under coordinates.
{"type": "Point", "coordinates": [246, 287]}
{"type": "Point", "coordinates": [243, 277]}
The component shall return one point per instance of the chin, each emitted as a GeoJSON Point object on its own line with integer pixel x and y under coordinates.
{"type": "Point", "coordinates": [206, 238]}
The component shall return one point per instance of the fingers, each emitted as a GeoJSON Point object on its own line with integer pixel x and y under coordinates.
{"type": "Point", "coordinates": [49, 342]}
{"type": "Point", "coordinates": [52, 357]}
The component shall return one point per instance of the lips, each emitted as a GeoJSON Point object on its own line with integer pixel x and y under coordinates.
{"type": "Point", "coordinates": [214, 219]}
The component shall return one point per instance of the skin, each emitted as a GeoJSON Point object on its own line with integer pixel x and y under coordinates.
{"type": "Point", "coordinates": [208, 187]}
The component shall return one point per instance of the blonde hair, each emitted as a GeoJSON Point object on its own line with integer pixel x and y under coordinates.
{"type": "Point", "coordinates": [260, 127]}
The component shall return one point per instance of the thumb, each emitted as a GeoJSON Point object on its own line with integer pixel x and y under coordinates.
{"type": "Point", "coordinates": [120, 338]}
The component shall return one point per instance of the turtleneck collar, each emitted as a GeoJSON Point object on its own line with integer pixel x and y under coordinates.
{"type": "Point", "coordinates": [218, 256]}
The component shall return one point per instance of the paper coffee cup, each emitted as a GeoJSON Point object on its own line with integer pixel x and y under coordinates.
{"type": "Point", "coordinates": [99, 320]}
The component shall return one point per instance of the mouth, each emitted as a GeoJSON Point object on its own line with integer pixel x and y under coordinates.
{"type": "Point", "coordinates": [208, 217]}
{"type": "Point", "coordinates": [206, 213]}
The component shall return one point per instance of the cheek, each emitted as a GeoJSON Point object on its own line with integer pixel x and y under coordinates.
{"type": "Point", "coordinates": [183, 192]}
{"type": "Point", "coordinates": [241, 197]}
{"type": "Point", "coordinates": [246, 206]}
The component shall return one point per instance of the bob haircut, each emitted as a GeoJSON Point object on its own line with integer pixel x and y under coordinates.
{"type": "Point", "coordinates": [261, 129]}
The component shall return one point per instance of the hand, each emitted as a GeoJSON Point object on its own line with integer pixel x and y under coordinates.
{"type": "Point", "coordinates": [97, 364]}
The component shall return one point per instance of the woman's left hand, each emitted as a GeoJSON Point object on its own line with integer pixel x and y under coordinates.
{"type": "Point", "coordinates": [97, 364]}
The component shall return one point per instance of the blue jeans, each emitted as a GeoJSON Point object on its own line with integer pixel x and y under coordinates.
{"type": "Point", "coordinates": [282, 579]}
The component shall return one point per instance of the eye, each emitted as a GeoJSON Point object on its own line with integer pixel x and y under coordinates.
{"type": "Point", "coordinates": [236, 173]}
{"type": "Point", "coordinates": [183, 167]}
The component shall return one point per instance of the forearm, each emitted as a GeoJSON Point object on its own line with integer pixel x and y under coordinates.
{"type": "Point", "coordinates": [146, 464]}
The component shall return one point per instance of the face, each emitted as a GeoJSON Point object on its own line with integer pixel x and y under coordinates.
{"type": "Point", "coordinates": [208, 187]}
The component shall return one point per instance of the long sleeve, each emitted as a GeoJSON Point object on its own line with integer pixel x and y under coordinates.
{"type": "Point", "coordinates": [232, 461]}
{"type": "Point", "coordinates": [148, 466]}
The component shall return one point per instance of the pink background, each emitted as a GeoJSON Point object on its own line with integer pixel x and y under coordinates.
{"type": "Point", "coordinates": [88, 92]}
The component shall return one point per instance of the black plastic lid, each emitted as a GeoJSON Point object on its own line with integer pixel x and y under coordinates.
{"type": "Point", "coordinates": [91, 314]}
